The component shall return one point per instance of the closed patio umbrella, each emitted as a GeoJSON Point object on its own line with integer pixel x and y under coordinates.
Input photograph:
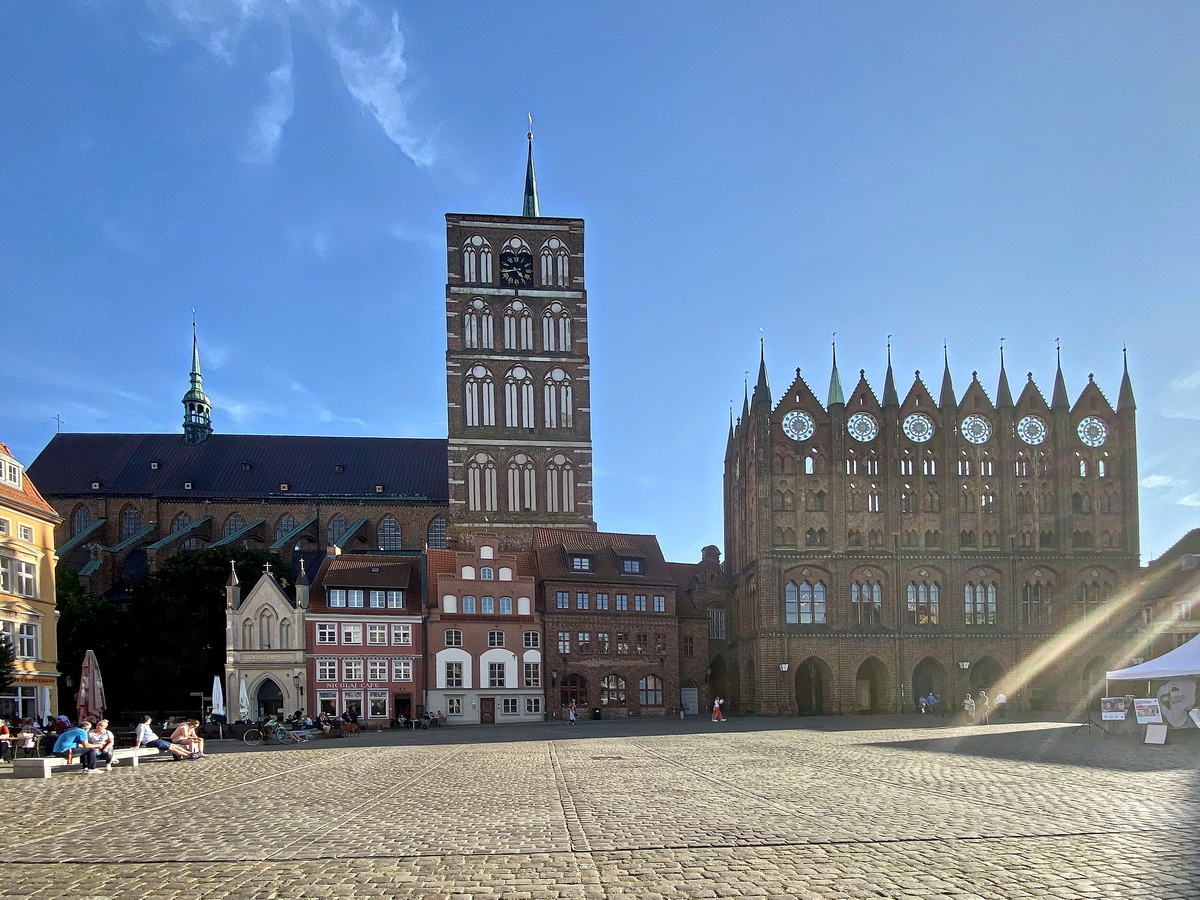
{"type": "Point", "coordinates": [218, 706]}
{"type": "Point", "coordinates": [90, 700]}
{"type": "Point", "coordinates": [243, 700]}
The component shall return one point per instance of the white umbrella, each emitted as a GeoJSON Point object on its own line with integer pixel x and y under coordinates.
{"type": "Point", "coordinates": [218, 706]}
{"type": "Point", "coordinates": [218, 697]}
{"type": "Point", "coordinates": [243, 700]}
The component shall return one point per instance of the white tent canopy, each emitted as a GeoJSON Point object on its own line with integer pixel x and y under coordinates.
{"type": "Point", "coordinates": [1182, 662]}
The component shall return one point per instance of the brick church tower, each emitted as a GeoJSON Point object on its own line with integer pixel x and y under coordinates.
{"type": "Point", "coordinates": [517, 372]}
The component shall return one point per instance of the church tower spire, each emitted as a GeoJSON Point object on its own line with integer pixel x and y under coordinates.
{"type": "Point", "coordinates": [197, 410]}
{"type": "Point", "coordinates": [889, 383]}
{"type": "Point", "coordinates": [1059, 399]}
{"type": "Point", "coordinates": [946, 400]}
{"type": "Point", "coordinates": [1003, 394]}
{"type": "Point", "coordinates": [1125, 398]}
{"type": "Point", "coordinates": [529, 206]}
{"type": "Point", "coordinates": [835, 383]}
{"type": "Point", "coordinates": [762, 389]}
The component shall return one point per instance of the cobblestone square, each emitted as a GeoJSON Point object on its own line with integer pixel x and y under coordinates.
{"type": "Point", "coordinates": [830, 808]}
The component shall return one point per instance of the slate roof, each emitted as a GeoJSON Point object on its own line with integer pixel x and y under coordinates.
{"type": "Point", "coordinates": [553, 547]}
{"type": "Point", "coordinates": [237, 466]}
{"type": "Point", "coordinates": [382, 571]}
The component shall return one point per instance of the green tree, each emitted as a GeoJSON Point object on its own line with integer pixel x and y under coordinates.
{"type": "Point", "coordinates": [88, 622]}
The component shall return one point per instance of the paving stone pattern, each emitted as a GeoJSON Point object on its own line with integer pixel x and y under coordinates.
{"type": "Point", "coordinates": [837, 808]}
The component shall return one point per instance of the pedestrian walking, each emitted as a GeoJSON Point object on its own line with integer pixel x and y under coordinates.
{"type": "Point", "coordinates": [718, 716]}
{"type": "Point", "coordinates": [571, 713]}
{"type": "Point", "coordinates": [969, 710]}
{"type": "Point", "coordinates": [921, 704]}
{"type": "Point", "coordinates": [1001, 702]}
{"type": "Point", "coordinates": [984, 706]}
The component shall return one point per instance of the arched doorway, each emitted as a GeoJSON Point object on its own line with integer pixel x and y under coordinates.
{"type": "Point", "coordinates": [929, 677]}
{"type": "Point", "coordinates": [269, 699]}
{"type": "Point", "coordinates": [985, 675]}
{"type": "Point", "coordinates": [811, 679]}
{"type": "Point", "coordinates": [735, 689]}
{"type": "Point", "coordinates": [871, 687]}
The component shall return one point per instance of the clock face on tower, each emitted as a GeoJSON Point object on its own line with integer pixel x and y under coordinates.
{"type": "Point", "coordinates": [918, 428]}
{"type": "Point", "coordinates": [516, 269]}
{"type": "Point", "coordinates": [1031, 430]}
{"type": "Point", "coordinates": [798, 425]}
{"type": "Point", "coordinates": [976, 429]}
{"type": "Point", "coordinates": [862, 427]}
{"type": "Point", "coordinates": [1093, 431]}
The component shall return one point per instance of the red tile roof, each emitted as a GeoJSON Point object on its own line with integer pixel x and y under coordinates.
{"type": "Point", "coordinates": [27, 494]}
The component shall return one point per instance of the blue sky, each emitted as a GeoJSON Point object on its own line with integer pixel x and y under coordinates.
{"type": "Point", "coordinates": [932, 172]}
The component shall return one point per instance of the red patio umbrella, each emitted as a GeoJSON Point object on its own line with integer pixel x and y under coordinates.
{"type": "Point", "coordinates": [90, 700]}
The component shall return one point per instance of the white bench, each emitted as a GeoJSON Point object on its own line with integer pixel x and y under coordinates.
{"type": "Point", "coordinates": [42, 766]}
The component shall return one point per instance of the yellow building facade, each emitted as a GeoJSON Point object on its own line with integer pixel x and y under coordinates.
{"type": "Point", "coordinates": [28, 619]}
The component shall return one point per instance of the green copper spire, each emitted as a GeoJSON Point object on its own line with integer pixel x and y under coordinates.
{"type": "Point", "coordinates": [835, 383]}
{"type": "Point", "coordinates": [197, 410]}
{"type": "Point", "coordinates": [529, 207]}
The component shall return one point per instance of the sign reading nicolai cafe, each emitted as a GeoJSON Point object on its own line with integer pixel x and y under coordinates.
{"type": "Point", "coordinates": [344, 685]}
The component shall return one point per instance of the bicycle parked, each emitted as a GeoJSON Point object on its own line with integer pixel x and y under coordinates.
{"type": "Point", "coordinates": [272, 733]}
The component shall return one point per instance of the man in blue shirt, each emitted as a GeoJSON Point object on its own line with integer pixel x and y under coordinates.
{"type": "Point", "coordinates": [71, 740]}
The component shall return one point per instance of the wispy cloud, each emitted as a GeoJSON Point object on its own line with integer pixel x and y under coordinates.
{"type": "Point", "coordinates": [243, 411]}
{"type": "Point", "coordinates": [314, 239]}
{"type": "Point", "coordinates": [1189, 500]}
{"type": "Point", "coordinates": [1155, 481]}
{"type": "Point", "coordinates": [370, 56]}
{"type": "Point", "coordinates": [1186, 382]}
{"type": "Point", "coordinates": [320, 411]}
{"type": "Point", "coordinates": [266, 131]}
{"type": "Point", "coordinates": [368, 50]}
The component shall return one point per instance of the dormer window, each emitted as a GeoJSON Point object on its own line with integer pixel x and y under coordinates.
{"type": "Point", "coordinates": [338, 467]}
{"type": "Point", "coordinates": [95, 485]}
{"type": "Point", "coordinates": [284, 486]}
{"type": "Point", "coordinates": [246, 467]}
{"type": "Point", "coordinates": [379, 488]}
{"type": "Point", "coordinates": [187, 485]}
{"type": "Point", "coordinates": [581, 563]}
{"type": "Point", "coordinates": [154, 464]}
{"type": "Point", "coordinates": [631, 566]}
{"type": "Point", "coordinates": [10, 473]}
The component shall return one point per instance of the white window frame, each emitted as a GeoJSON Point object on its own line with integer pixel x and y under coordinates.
{"type": "Point", "coordinates": [327, 633]}
{"type": "Point", "coordinates": [351, 633]}
{"type": "Point", "coordinates": [377, 669]}
{"type": "Point", "coordinates": [327, 669]}
{"type": "Point", "coordinates": [352, 669]}
{"type": "Point", "coordinates": [402, 670]}
{"type": "Point", "coordinates": [377, 633]}
{"type": "Point", "coordinates": [401, 635]}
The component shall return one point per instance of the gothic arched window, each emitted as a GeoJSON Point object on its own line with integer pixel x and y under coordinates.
{"type": "Point", "coordinates": [477, 261]}
{"type": "Point", "coordinates": [435, 534]}
{"type": "Point", "coordinates": [518, 327]}
{"type": "Point", "coordinates": [923, 597]}
{"type": "Point", "coordinates": [285, 526]}
{"type": "Point", "coordinates": [979, 603]}
{"type": "Point", "coordinates": [337, 528]}
{"type": "Point", "coordinates": [560, 485]}
{"type": "Point", "coordinates": [479, 397]}
{"type": "Point", "coordinates": [522, 484]}
{"type": "Point", "coordinates": [131, 522]}
{"type": "Point", "coordinates": [477, 325]}
{"type": "Point", "coordinates": [481, 483]}
{"type": "Point", "coordinates": [555, 263]}
{"type": "Point", "coordinates": [233, 525]}
{"type": "Point", "coordinates": [556, 328]}
{"type": "Point", "coordinates": [1036, 597]}
{"type": "Point", "coordinates": [81, 519]}
{"type": "Point", "coordinates": [559, 400]}
{"type": "Point", "coordinates": [518, 398]}
{"type": "Point", "coordinates": [866, 601]}
{"type": "Point", "coordinates": [389, 533]}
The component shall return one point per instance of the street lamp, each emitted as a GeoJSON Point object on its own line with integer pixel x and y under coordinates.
{"type": "Point", "coordinates": [296, 685]}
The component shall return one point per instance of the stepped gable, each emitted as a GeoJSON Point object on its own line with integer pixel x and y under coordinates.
{"type": "Point", "coordinates": [1091, 400]}
{"type": "Point", "coordinates": [230, 466]}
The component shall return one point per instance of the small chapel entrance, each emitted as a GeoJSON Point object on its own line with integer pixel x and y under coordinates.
{"type": "Point", "coordinates": [269, 700]}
